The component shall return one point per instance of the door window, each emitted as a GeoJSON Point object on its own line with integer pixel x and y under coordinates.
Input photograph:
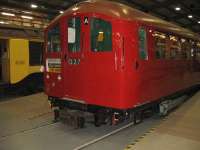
{"type": "Point", "coordinates": [74, 29]}
{"type": "Point", "coordinates": [143, 44]}
{"type": "Point", "coordinates": [101, 35]}
{"type": "Point", "coordinates": [53, 39]}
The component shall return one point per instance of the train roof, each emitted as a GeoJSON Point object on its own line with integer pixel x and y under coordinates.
{"type": "Point", "coordinates": [121, 11]}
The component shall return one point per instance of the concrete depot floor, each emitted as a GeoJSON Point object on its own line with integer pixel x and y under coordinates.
{"type": "Point", "coordinates": [180, 131]}
{"type": "Point", "coordinates": [26, 124]}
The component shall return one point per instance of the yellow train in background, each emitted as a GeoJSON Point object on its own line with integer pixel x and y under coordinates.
{"type": "Point", "coordinates": [20, 65]}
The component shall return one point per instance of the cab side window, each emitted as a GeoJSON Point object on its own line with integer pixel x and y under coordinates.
{"type": "Point", "coordinates": [143, 52]}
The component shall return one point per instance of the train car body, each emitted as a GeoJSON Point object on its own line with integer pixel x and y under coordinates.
{"type": "Point", "coordinates": [20, 64]}
{"type": "Point", "coordinates": [106, 55]}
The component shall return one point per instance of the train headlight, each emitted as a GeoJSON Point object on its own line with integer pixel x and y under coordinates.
{"type": "Point", "coordinates": [42, 69]}
{"type": "Point", "coordinates": [59, 77]}
{"type": "Point", "coordinates": [47, 76]}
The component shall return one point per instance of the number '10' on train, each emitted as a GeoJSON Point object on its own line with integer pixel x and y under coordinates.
{"type": "Point", "coordinates": [112, 60]}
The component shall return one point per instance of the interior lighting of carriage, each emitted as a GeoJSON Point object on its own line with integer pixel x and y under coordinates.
{"type": "Point", "coordinates": [172, 38]}
{"type": "Point", "coordinates": [27, 17]}
{"type": "Point", "coordinates": [34, 6]}
{"type": "Point", "coordinates": [190, 16]}
{"type": "Point", "coordinates": [177, 8]}
{"type": "Point", "coordinates": [7, 14]}
{"type": "Point", "coordinates": [159, 35]}
{"type": "Point", "coordinates": [61, 12]}
{"type": "Point", "coordinates": [183, 40]}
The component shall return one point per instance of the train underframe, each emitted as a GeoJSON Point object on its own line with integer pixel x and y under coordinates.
{"type": "Point", "coordinates": [31, 84]}
{"type": "Point", "coordinates": [74, 113]}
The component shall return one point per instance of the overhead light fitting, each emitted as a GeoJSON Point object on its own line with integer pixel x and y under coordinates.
{"type": "Point", "coordinates": [178, 8]}
{"type": "Point", "coordinates": [26, 12]}
{"type": "Point", "coordinates": [61, 12]}
{"type": "Point", "coordinates": [2, 22]}
{"type": "Point", "coordinates": [27, 17]}
{"type": "Point", "coordinates": [190, 16]}
{"type": "Point", "coordinates": [7, 14]}
{"type": "Point", "coordinates": [198, 22]}
{"type": "Point", "coordinates": [34, 6]}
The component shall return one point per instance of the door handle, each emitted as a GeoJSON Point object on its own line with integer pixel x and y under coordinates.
{"type": "Point", "coordinates": [65, 57]}
{"type": "Point", "coordinates": [136, 65]}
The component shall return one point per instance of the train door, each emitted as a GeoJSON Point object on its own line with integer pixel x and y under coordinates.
{"type": "Point", "coordinates": [4, 61]}
{"type": "Point", "coordinates": [53, 58]}
{"type": "Point", "coordinates": [74, 57]}
{"type": "Point", "coordinates": [144, 65]}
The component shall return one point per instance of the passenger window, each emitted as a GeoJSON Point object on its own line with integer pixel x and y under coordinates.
{"type": "Point", "coordinates": [193, 48]}
{"type": "Point", "coordinates": [160, 45]}
{"type": "Point", "coordinates": [185, 48]}
{"type": "Point", "coordinates": [175, 47]}
{"type": "Point", "coordinates": [101, 35]}
{"type": "Point", "coordinates": [74, 30]}
{"type": "Point", "coordinates": [53, 39]}
{"type": "Point", "coordinates": [143, 44]}
{"type": "Point", "coordinates": [198, 51]}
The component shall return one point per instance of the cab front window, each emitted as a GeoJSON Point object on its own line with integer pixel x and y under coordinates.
{"type": "Point", "coordinates": [53, 39]}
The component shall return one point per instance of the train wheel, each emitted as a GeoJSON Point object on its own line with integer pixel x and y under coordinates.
{"type": "Point", "coordinates": [56, 115]}
{"type": "Point", "coordinates": [97, 122]}
{"type": "Point", "coordinates": [99, 118]}
{"type": "Point", "coordinates": [81, 122]}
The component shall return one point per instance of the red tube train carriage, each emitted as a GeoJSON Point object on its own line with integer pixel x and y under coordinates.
{"type": "Point", "coordinates": [107, 58]}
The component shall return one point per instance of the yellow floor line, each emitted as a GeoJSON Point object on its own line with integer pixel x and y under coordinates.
{"type": "Point", "coordinates": [131, 145]}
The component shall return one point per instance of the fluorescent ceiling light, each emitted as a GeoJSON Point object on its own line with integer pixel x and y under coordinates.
{"type": "Point", "coordinates": [33, 6]}
{"type": "Point", "coordinates": [27, 17]}
{"type": "Point", "coordinates": [198, 22]}
{"type": "Point", "coordinates": [27, 12]}
{"type": "Point", "coordinates": [190, 16]}
{"type": "Point", "coordinates": [177, 8]}
{"type": "Point", "coordinates": [7, 14]}
{"type": "Point", "coordinates": [2, 22]}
